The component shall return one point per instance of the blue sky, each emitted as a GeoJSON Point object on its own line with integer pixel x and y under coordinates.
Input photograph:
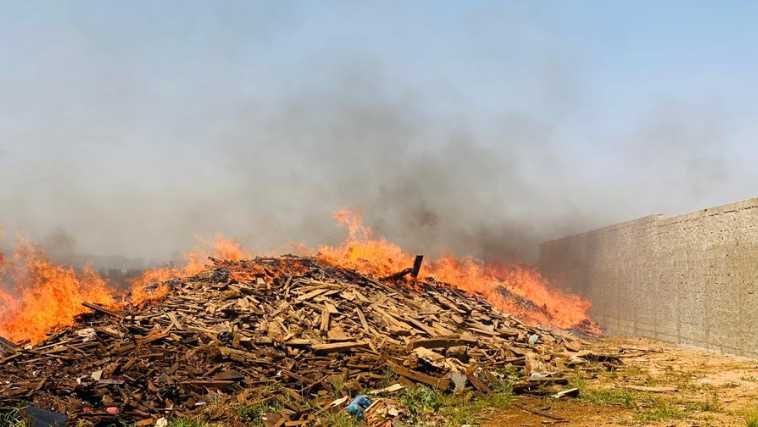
{"type": "Point", "coordinates": [581, 114]}
{"type": "Point", "coordinates": [482, 51]}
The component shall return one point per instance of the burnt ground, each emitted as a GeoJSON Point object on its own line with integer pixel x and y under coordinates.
{"type": "Point", "coordinates": [687, 387]}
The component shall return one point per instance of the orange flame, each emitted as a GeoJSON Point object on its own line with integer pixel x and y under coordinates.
{"type": "Point", "coordinates": [514, 289]}
{"type": "Point", "coordinates": [150, 285]}
{"type": "Point", "coordinates": [37, 296]}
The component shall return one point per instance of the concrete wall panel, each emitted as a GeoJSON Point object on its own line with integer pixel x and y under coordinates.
{"type": "Point", "coordinates": [689, 279]}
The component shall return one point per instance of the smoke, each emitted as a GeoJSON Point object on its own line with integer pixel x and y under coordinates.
{"type": "Point", "coordinates": [105, 157]}
{"type": "Point", "coordinates": [271, 174]}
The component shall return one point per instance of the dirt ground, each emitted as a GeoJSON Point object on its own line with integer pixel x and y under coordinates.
{"type": "Point", "coordinates": [681, 386]}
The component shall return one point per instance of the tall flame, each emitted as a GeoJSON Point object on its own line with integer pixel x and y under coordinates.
{"type": "Point", "coordinates": [514, 289]}
{"type": "Point", "coordinates": [37, 296]}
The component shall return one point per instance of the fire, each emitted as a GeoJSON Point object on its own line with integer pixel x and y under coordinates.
{"type": "Point", "coordinates": [514, 289]}
{"type": "Point", "coordinates": [150, 285]}
{"type": "Point", "coordinates": [37, 296]}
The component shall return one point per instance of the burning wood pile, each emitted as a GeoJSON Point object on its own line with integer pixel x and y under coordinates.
{"type": "Point", "coordinates": [278, 328]}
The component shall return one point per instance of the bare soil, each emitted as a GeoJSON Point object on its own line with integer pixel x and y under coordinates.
{"type": "Point", "coordinates": [710, 390]}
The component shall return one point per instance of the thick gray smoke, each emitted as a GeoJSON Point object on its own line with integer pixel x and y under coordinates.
{"type": "Point", "coordinates": [103, 152]}
{"type": "Point", "coordinates": [275, 174]}
{"type": "Point", "coordinates": [271, 174]}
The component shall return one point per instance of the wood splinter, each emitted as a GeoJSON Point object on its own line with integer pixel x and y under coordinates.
{"type": "Point", "coordinates": [7, 345]}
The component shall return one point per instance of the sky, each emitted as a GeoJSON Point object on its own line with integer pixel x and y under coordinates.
{"type": "Point", "coordinates": [478, 128]}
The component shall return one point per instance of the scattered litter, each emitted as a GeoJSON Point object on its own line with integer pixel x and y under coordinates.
{"type": "Point", "coordinates": [533, 338]}
{"type": "Point", "coordinates": [571, 392]}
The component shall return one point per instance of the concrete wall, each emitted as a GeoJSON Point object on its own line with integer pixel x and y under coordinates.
{"type": "Point", "coordinates": [689, 279]}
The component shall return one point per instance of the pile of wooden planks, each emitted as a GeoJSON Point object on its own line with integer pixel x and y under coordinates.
{"type": "Point", "coordinates": [271, 327]}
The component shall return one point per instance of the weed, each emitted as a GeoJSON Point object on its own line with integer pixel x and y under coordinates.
{"type": "Point", "coordinates": [635, 371]}
{"type": "Point", "coordinates": [751, 418]}
{"type": "Point", "coordinates": [338, 385]}
{"type": "Point", "coordinates": [578, 382]}
{"type": "Point", "coordinates": [712, 405]}
{"type": "Point", "coordinates": [11, 417]}
{"type": "Point", "coordinates": [340, 419]}
{"type": "Point", "coordinates": [662, 411]}
{"type": "Point", "coordinates": [610, 397]}
{"type": "Point", "coordinates": [421, 399]}
{"type": "Point", "coordinates": [459, 410]}
{"type": "Point", "coordinates": [255, 412]}
{"type": "Point", "coordinates": [455, 409]}
{"type": "Point", "coordinates": [503, 380]}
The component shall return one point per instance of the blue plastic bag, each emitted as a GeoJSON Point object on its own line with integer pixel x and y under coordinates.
{"type": "Point", "coordinates": [358, 405]}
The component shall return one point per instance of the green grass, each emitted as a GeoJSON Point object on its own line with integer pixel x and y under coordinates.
{"type": "Point", "coordinates": [751, 418]}
{"type": "Point", "coordinates": [711, 405]}
{"type": "Point", "coordinates": [421, 400]}
{"type": "Point", "coordinates": [658, 410]}
{"type": "Point", "coordinates": [662, 411]}
{"type": "Point", "coordinates": [11, 417]}
{"type": "Point", "coordinates": [468, 408]}
{"type": "Point", "coordinates": [455, 409]}
{"type": "Point", "coordinates": [254, 413]}
{"type": "Point", "coordinates": [340, 419]}
{"type": "Point", "coordinates": [611, 396]}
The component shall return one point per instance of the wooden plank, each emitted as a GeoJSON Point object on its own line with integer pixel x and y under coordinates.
{"type": "Point", "coordinates": [441, 342]}
{"type": "Point", "coordinates": [243, 356]}
{"type": "Point", "coordinates": [440, 383]}
{"type": "Point", "coordinates": [362, 318]}
{"type": "Point", "coordinates": [399, 275]}
{"type": "Point", "coordinates": [310, 295]}
{"type": "Point", "coordinates": [153, 336]}
{"type": "Point", "coordinates": [209, 383]}
{"type": "Point", "coordinates": [102, 309]}
{"type": "Point", "coordinates": [419, 325]}
{"type": "Point", "coordinates": [417, 266]}
{"type": "Point", "coordinates": [339, 346]}
{"type": "Point", "coordinates": [324, 327]}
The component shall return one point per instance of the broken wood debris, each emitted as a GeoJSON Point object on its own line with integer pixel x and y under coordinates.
{"type": "Point", "coordinates": [274, 328]}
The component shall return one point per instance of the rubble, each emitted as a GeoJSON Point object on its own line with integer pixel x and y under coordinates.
{"type": "Point", "coordinates": [269, 328]}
